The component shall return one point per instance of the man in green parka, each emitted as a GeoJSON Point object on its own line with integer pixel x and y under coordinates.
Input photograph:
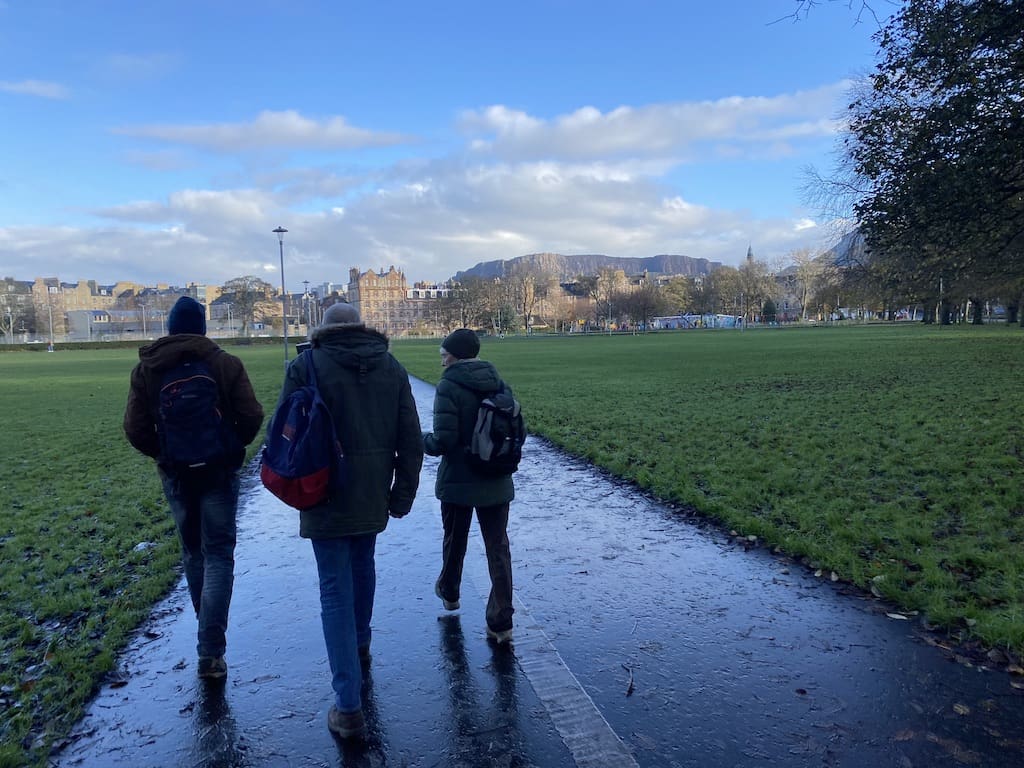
{"type": "Point", "coordinates": [371, 403]}
{"type": "Point", "coordinates": [464, 382]}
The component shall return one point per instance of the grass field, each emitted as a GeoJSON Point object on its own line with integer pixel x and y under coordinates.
{"type": "Point", "coordinates": [892, 456]}
{"type": "Point", "coordinates": [77, 501]}
{"type": "Point", "coordinates": [889, 455]}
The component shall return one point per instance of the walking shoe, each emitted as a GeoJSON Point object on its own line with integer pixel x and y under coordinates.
{"type": "Point", "coordinates": [347, 725]}
{"type": "Point", "coordinates": [212, 667]}
{"type": "Point", "coordinates": [449, 605]}
{"type": "Point", "coordinates": [501, 636]}
{"type": "Point", "coordinates": [364, 655]}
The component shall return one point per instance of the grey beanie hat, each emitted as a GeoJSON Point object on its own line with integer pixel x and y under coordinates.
{"type": "Point", "coordinates": [341, 313]}
{"type": "Point", "coordinates": [462, 343]}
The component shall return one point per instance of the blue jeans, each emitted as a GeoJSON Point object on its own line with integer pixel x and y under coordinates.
{"type": "Point", "coordinates": [204, 504]}
{"type": "Point", "coordinates": [348, 580]}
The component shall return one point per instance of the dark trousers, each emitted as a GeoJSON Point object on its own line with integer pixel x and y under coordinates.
{"type": "Point", "coordinates": [493, 526]}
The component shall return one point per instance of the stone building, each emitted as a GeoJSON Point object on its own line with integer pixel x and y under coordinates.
{"type": "Point", "coordinates": [386, 302]}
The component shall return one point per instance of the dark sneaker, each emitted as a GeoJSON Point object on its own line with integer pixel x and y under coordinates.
{"type": "Point", "coordinates": [347, 725]}
{"type": "Point", "coordinates": [500, 636]}
{"type": "Point", "coordinates": [212, 667]}
{"type": "Point", "coordinates": [364, 655]}
{"type": "Point", "coordinates": [449, 605]}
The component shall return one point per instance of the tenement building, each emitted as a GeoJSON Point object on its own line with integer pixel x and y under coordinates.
{"type": "Point", "coordinates": [385, 301]}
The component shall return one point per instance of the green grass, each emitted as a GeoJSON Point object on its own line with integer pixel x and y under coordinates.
{"type": "Point", "coordinates": [890, 455]}
{"type": "Point", "coordinates": [875, 452]}
{"type": "Point", "coordinates": [77, 499]}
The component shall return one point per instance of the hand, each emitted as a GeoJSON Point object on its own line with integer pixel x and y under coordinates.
{"type": "Point", "coordinates": [398, 514]}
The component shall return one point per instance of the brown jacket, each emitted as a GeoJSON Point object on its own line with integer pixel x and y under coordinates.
{"type": "Point", "coordinates": [238, 402]}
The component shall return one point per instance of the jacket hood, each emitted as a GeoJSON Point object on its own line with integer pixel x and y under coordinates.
{"type": "Point", "coordinates": [167, 351]}
{"type": "Point", "coordinates": [352, 345]}
{"type": "Point", "coordinates": [478, 375]}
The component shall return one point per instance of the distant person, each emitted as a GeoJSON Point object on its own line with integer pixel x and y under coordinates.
{"type": "Point", "coordinates": [461, 489]}
{"type": "Point", "coordinates": [192, 408]}
{"type": "Point", "coordinates": [371, 403]}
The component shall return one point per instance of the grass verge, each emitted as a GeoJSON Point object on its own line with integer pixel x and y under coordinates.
{"type": "Point", "coordinates": [87, 545]}
{"type": "Point", "coordinates": [892, 456]}
{"type": "Point", "coordinates": [889, 455]}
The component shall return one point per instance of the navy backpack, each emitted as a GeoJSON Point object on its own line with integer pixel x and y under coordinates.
{"type": "Point", "coordinates": [193, 432]}
{"type": "Point", "coordinates": [302, 460]}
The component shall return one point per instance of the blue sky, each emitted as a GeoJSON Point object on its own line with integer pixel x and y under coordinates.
{"type": "Point", "coordinates": [163, 142]}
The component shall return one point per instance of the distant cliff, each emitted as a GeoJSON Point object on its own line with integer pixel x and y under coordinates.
{"type": "Point", "coordinates": [568, 267]}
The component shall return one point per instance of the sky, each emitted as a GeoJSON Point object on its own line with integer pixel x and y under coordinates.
{"type": "Point", "coordinates": [163, 142]}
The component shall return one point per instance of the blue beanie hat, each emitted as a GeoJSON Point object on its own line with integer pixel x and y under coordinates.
{"type": "Point", "coordinates": [187, 316]}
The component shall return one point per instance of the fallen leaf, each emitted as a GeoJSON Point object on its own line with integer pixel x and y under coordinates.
{"type": "Point", "coordinates": [834, 576]}
{"type": "Point", "coordinates": [903, 736]}
{"type": "Point", "coordinates": [1015, 669]}
{"type": "Point", "coordinates": [818, 572]}
{"type": "Point", "coordinates": [961, 709]}
{"type": "Point", "coordinates": [896, 616]}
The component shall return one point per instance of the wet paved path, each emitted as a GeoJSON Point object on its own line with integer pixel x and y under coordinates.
{"type": "Point", "coordinates": [641, 639]}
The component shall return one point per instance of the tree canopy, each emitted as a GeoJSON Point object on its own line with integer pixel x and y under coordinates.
{"type": "Point", "coordinates": [938, 140]}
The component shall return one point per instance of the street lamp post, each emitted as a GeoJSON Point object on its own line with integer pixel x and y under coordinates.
{"type": "Point", "coordinates": [305, 300]}
{"type": "Point", "coordinates": [284, 296]}
{"type": "Point", "coordinates": [143, 320]}
{"type": "Point", "coordinates": [231, 328]}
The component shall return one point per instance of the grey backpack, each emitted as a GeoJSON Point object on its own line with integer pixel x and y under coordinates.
{"type": "Point", "coordinates": [496, 447]}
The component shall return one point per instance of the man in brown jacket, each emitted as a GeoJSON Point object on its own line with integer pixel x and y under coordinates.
{"type": "Point", "coordinates": [192, 408]}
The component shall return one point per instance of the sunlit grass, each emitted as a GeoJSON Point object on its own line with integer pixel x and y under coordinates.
{"type": "Point", "coordinates": [874, 452]}
{"type": "Point", "coordinates": [892, 456]}
{"type": "Point", "coordinates": [77, 500]}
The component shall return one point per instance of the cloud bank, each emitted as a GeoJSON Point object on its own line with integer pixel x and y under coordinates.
{"type": "Point", "coordinates": [623, 182]}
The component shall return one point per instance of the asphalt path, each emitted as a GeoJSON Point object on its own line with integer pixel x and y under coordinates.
{"type": "Point", "coordinates": [643, 637]}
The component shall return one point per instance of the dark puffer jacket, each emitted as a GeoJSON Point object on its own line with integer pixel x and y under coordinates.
{"type": "Point", "coordinates": [237, 401]}
{"type": "Point", "coordinates": [371, 402]}
{"type": "Point", "coordinates": [456, 401]}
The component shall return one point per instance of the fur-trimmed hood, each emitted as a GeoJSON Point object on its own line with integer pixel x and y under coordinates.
{"type": "Point", "coordinates": [323, 331]}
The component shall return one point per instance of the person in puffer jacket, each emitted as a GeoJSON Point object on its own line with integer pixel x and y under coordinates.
{"type": "Point", "coordinates": [465, 381]}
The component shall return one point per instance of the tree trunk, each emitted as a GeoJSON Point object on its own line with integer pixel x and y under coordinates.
{"type": "Point", "coordinates": [977, 312]}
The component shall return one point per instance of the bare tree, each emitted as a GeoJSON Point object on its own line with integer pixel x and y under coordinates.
{"type": "Point", "coordinates": [246, 294]}
{"type": "Point", "coordinates": [527, 284]}
{"type": "Point", "coordinates": [643, 304]}
{"type": "Point", "coordinates": [863, 9]}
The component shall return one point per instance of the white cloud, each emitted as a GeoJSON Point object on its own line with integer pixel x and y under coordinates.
{"type": "Point", "coordinates": [585, 182]}
{"type": "Point", "coordinates": [41, 88]}
{"type": "Point", "coordinates": [270, 130]}
{"type": "Point", "coordinates": [656, 129]}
